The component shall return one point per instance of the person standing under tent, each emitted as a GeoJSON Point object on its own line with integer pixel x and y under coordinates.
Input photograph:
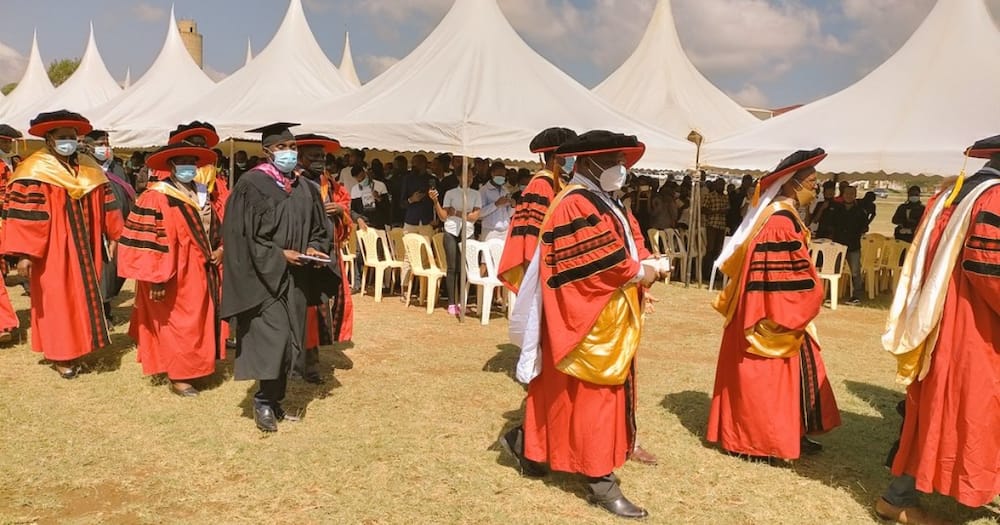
{"type": "Point", "coordinates": [498, 206]}
{"type": "Point", "coordinates": [172, 248]}
{"type": "Point", "coordinates": [944, 330]}
{"type": "Point", "coordinates": [536, 197]}
{"type": "Point", "coordinates": [578, 321]}
{"type": "Point", "coordinates": [771, 387]}
{"type": "Point", "coordinates": [276, 226]}
{"type": "Point", "coordinates": [458, 206]}
{"type": "Point", "coordinates": [332, 321]}
{"type": "Point", "coordinates": [355, 157]}
{"type": "Point", "coordinates": [59, 217]}
{"type": "Point", "coordinates": [99, 148]}
{"type": "Point", "coordinates": [369, 200]}
{"type": "Point", "coordinates": [8, 317]}
{"type": "Point", "coordinates": [908, 215]}
{"type": "Point", "coordinates": [850, 223]}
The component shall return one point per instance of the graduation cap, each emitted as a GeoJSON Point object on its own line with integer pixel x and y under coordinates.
{"type": "Point", "coordinates": [46, 122]}
{"type": "Point", "coordinates": [9, 133]}
{"type": "Point", "coordinates": [160, 159]}
{"type": "Point", "coordinates": [311, 139]}
{"type": "Point", "coordinates": [599, 142]}
{"type": "Point", "coordinates": [195, 129]}
{"type": "Point", "coordinates": [985, 148]}
{"type": "Point", "coordinates": [790, 165]}
{"type": "Point", "coordinates": [272, 134]}
{"type": "Point", "coordinates": [550, 139]}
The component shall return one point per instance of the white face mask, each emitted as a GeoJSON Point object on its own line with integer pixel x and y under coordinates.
{"type": "Point", "coordinates": [613, 178]}
{"type": "Point", "coordinates": [102, 153]}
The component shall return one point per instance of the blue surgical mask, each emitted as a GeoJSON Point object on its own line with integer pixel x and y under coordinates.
{"type": "Point", "coordinates": [286, 160]}
{"type": "Point", "coordinates": [569, 163]}
{"type": "Point", "coordinates": [66, 147]}
{"type": "Point", "coordinates": [914, 198]}
{"type": "Point", "coordinates": [499, 180]}
{"type": "Point", "coordinates": [185, 172]}
{"type": "Point", "coordinates": [102, 153]}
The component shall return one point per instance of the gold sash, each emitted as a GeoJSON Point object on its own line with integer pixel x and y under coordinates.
{"type": "Point", "coordinates": [171, 191]}
{"type": "Point", "coordinates": [206, 175]}
{"type": "Point", "coordinates": [604, 357]}
{"type": "Point", "coordinates": [43, 166]}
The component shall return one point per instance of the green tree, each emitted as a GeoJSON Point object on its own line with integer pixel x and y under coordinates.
{"type": "Point", "coordinates": [8, 88]}
{"type": "Point", "coordinates": [60, 70]}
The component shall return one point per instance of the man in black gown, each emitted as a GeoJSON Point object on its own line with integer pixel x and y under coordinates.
{"type": "Point", "coordinates": [273, 221]}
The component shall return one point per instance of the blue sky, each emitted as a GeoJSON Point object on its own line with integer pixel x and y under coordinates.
{"type": "Point", "coordinates": [764, 52]}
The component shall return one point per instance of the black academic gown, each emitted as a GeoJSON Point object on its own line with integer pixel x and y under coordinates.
{"type": "Point", "coordinates": [261, 292]}
{"type": "Point", "coordinates": [111, 283]}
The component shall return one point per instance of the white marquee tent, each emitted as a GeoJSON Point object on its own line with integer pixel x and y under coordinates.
{"type": "Point", "coordinates": [659, 84]}
{"type": "Point", "coordinates": [174, 79]}
{"type": "Point", "coordinates": [291, 69]}
{"type": "Point", "coordinates": [347, 65]}
{"type": "Point", "coordinates": [33, 87]}
{"type": "Point", "coordinates": [475, 88]}
{"type": "Point", "coordinates": [916, 113]}
{"type": "Point", "coordinates": [249, 57]}
{"type": "Point", "coordinates": [90, 86]}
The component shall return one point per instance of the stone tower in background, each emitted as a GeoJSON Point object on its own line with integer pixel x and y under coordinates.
{"type": "Point", "coordinates": [192, 40]}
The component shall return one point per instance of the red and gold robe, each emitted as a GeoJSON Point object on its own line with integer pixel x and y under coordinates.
{"type": "Point", "coordinates": [165, 243]}
{"type": "Point", "coordinates": [950, 442]}
{"type": "Point", "coordinates": [61, 220]}
{"type": "Point", "coordinates": [588, 299]}
{"type": "Point", "coordinates": [522, 237]}
{"type": "Point", "coordinates": [8, 318]}
{"type": "Point", "coordinates": [770, 393]}
{"type": "Point", "coordinates": [336, 320]}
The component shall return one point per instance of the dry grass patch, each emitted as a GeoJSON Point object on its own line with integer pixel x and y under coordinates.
{"type": "Point", "coordinates": [404, 431]}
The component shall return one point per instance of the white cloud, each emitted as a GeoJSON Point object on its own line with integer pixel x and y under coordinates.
{"type": "Point", "coordinates": [12, 64]}
{"type": "Point", "coordinates": [751, 96]}
{"type": "Point", "coordinates": [376, 65]}
{"type": "Point", "coordinates": [149, 13]}
{"type": "Point", "coordinates": [883, 25]}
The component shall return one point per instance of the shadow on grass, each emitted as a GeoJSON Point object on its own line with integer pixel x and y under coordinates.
{"type": "Point", "coordinates": [300, 394]}
{"type": "Point", "coordinates": [505, 362]}
{"type": "Point", "coordinates": [691, 408]}
{"type": "Point", "coordinates": [110, 359]}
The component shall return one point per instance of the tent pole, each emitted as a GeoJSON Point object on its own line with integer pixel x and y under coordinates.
{"type": "Point", "coordinates": [462, 270]}
{"type": "Point", "coordinates": [232, 162]}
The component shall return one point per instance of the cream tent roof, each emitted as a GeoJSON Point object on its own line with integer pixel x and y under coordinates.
{"type": "Point", "coordinates": [475, 88]}
{"type": "Point", "coordinates": [33, 87]}
{"type": "Point", "coordinates": [916, 113]}
{"type": "Point", "coordinates": [659, 84]}
{"type": "Point", "coordinates": [174, 79]}
{"type": "Point", "coordinates": [347, 64]}
{"type": "Point", "coordinates": [90, 86]}
{"type": "Point", "coordinates": [291, 69]}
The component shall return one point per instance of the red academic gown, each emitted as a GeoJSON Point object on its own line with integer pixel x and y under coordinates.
{"type": "Point", "coordinates": [164, 242]}
{"type": "Point", "coordinates": [340, 323]}
{"type": "Point", "coordinates": [573, 425]}
{"type": "Point", "coordinates": [757, 407]}
{"type": "Point", "coordinates": [8, 318]}
{"type": "Point", "coordinates": [951, 433]}
{"type": "Point", "coordinates": [64, 238]}
{"type": "Point", "coordinates": [522, 236]}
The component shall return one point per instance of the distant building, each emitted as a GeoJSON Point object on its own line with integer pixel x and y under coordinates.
{"type": "Point", "coordinates": [192, 39]}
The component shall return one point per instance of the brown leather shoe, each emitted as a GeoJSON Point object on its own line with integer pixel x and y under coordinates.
{"type": "Point", "coordinates": [906, 515]}
{"type": "Point", "coordinates": [640, 455]}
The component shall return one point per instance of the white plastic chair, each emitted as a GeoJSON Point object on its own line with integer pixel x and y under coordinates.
{"type": "Point", "coordinates": [657, 241]}
{"type": "Point", "coordinates": [678, 251]}
{"type": "Point", "coordinates": [829, 259]}
{"type": "Point", "coordinates": [378, 261]}
{"type": "Point", "coordinates": [496, 250]}
{"type": "Point", "coordinates": [474, 252]}
{"type": "Point", "coordinates": [422, 265]}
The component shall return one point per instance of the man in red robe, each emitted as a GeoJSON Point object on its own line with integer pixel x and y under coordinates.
{"type": "Point", "coordinates": [944, 329]}
{"type": "Point", "coordinates": [61, 217]}
{"type": "Point", "coordinates": [333, 320]}
{"type": "Point", "coordinates": [171, 248]}
{"type": "Point", "coordinates": [8, 318]}
{"type": "Point", "coordinates": [522, 237]}
{"type": "Point", "coordinates": [581, 316]}
{"type": "Point", "coordinates": [771, 388]}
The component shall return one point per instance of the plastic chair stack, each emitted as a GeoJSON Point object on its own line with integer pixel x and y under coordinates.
{"type": "Point", "coordinates": [422, 265]}
{"type": "Point", "coordinates": [379, 261]}
{"type": "Point", "coordinates": [872, 246]}
{"type": "Point", "coordinates": [439, 254]}
{"type": "Point", "coordinates": [829, 257]}
{"type": "Point", "coordinates": [891, 264]}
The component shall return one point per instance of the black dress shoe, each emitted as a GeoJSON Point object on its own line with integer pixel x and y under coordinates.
{"type": "Point", "coordinates": [621, 507]}
{"type": "Point", "coordinates": [70, 373]}
{"type": "Point", "coordinates": [810, 447]}
{"type": "Point", "coordinates": [513, 443]}
{"type": "Point", "coordinates": [265, 419]}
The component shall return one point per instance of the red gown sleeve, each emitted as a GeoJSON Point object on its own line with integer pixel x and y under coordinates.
{"type": "Point", "coordinates": [147, 250]}
{"type": "Point", "coordinates": [781, 283]}
{"type": "Point", "coordinates": [219, 197]}
{"type": "Point", "coordinates": [27, 219]}
{"type": "Point", "coordinates": [981, 255]}
{"type": "Point", "coordinates": [114, 221]}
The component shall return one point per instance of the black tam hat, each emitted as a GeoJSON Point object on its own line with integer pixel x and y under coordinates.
{"type": "Point", "coordinates": [195, 129]}
{"type": "Point", "coordinates": [550, 139]}
{"type": "Point", "coordinates": [985, 148]}
{"type": "Point", "coordinates": [272, 134]}
{"type": "Point", "coordinates": [46, 122]}
{"type": "Point", "coordinates": [97, 134]}
{"type": "Point", "coordinates": [599, 142]}
{"type": "Point", "coordinates": [790, 165]}
{"type": "Point", "coordinates": [7, 132]}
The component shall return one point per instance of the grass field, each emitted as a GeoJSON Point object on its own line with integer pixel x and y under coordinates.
{"type": "Point", "coordinates": [403, 432]}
